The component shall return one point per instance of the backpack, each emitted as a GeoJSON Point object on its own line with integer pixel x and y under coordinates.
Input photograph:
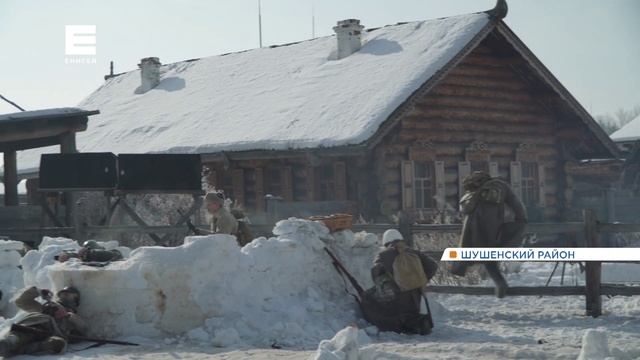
{"type": "Point", "coordinates": [408, 272]}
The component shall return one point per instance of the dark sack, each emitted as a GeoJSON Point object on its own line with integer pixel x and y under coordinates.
{"type": "Point", "coordinates": [402, 314]}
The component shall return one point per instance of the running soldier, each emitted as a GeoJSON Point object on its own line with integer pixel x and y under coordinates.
{"type": "Point", "coordinates": [485, 206]}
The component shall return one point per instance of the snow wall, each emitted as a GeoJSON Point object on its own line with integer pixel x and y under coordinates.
{"type": "Point", "coordinates": [10, 275]}
{"type": "Point", "coordinates": [281, 290]}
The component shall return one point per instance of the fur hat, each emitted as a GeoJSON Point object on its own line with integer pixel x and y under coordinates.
{"type": "Point", "coordinates": [215, 196]}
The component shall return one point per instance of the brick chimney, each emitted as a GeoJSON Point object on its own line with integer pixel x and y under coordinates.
{"type": "Point", "coordinates": [348, 34]}
{"type": "Point", "coordinates": [149, 73]}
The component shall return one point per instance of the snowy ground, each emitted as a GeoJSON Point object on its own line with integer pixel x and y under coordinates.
{"type": "Point", "coordinates": [467, 327]}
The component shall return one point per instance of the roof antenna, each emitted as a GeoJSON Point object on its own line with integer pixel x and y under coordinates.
{"type": "Point", "coordinates": [313, 21]}
{"type": "Point", "coordinates": [499, 11]}
{"type": "Point", "coordinates": [11, 102]}
{"type": "Point", "coordinates": [260, 22]}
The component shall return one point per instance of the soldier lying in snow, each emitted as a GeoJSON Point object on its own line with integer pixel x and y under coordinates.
{"type": "Point", "coordinates": [399, 274]}
{"type": "Point", "coordinates": [58, 319]}
{"type": "Point", "coordinates": [91, 252]}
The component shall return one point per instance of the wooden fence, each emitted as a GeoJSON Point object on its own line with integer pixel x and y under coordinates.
{"type": "Point", "coordinates": [587, 234]}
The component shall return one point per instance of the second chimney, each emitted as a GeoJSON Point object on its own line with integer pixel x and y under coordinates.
{"type": "Point", "coordinates": [149, 73]}
{"type": "Point", "coordinates": [348, 33]}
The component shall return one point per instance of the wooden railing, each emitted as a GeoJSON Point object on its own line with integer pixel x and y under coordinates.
{"type": "Point", "coordinates": [587, 235]}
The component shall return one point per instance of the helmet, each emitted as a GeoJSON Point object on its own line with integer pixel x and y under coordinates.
{"type": "Point", "coordinates": [390, 236]}
{"type": "Point", "coordinates": [215, 196]}
{"type": "Point", "coordinates": [91, 244]}
{"type": "Point", "coordinates": [69, 297]}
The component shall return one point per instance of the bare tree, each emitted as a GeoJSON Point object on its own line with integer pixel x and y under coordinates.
{"type": "Point", "coordinates": [621, 117]}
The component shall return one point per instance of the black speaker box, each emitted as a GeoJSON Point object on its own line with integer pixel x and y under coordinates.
{"type": "Point", "coordinates": [80, 171]}
{"type": "Point", "coordinates": [165, 173]}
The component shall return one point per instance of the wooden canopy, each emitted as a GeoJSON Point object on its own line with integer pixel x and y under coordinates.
{"type": "Point", "coordinates": [33, 129]}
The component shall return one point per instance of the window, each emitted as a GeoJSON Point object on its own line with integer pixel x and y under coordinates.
{"type": "Point", "coordinates": [423, 185]}
{"type": "Point", "coordinates": [479, 166]}
{"type": "Point", "coordinates": [273, 177]}
{"type": "Point", "coordinates": [529, 181]}
{"type": "Point", "coordinates": [326, 182]}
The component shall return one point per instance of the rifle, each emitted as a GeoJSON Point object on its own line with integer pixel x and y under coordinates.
{"type": "Point", "coordinates": [35, 331]}
{"type": "Point", "coordinates": [429, 317]}
{"type": "Point", "coordinates": [343, 271]}
{"type": "Point", "coordinates": [190, 225]}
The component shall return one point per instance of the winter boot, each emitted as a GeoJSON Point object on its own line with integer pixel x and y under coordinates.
{"type": "Point", "coordinates": [4, 349]}
{"type": "Point", "coordinates": [54, 345]}
{"type": "Point", "coordinates": [51, 345]}
{"type": "Point", "coordinates": [501, 284]}
{"type": "Point", "coordinates": [458, 268]}
{"type": "Point", "coordinates": [9, 345]}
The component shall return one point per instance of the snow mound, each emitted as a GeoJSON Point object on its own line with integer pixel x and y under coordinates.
{"type": "Point", "coordinates": [10, 275]}
{"type": "Point", "coordinates": [352, 344]}
{"type": "Point", "coordinates": [36, 263]}
{"type": "Point", "coordinates": [343, 346]}
{"type": "Point", "coordinates": [595, 345]}
{"type": "Point", "coordinates": [280, 290]}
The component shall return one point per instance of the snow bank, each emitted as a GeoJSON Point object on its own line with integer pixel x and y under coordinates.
{"type": "Point", "coordinates": [10, 275]}
{"type": "Point", "coordinates": [343, 346]}
{"type": "Point", "coordinates": [595, 345]}
{"type": "Point", "coordinates": [36, 263]}
{"type": "Point", "coordinates": [352, 344]}
{"type": "Point", "coordinates": [279, 290]}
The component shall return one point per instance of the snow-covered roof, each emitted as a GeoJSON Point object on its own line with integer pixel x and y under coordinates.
{"type": "Point", "coordinates": [286, 97]}
{"type": "Point", "coordinates": [629, 132]}
{"type": "Point", "coordinates": [38, 114]}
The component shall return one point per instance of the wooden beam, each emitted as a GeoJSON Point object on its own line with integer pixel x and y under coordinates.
{"type": "Point", "coordinates": [607, 289]}
{"type": "Point", "coordinates": [68, 146]}
{"type": "Point", "coordinates": [40, 129]}
{"type": "Point", "coordinates": [10, 179]}
{"type": "Point", "coordinates": [511, 291]}
{"type": "Point", "coordinates": [28, 144]}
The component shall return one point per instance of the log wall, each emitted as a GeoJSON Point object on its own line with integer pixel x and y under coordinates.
{"type": "Point", "coordinates": [481, 112]}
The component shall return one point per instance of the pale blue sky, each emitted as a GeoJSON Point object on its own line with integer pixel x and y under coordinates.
{"type": "Point", "coordinates": [592, 46]}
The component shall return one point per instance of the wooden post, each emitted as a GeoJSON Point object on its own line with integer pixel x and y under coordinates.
{"type": "Point", "coordinates": [592, 271]}
{"type": "Point", "coordinates": [68, 146]}
{"type": "Point", "coordinates": [404, 226]}
{"type": "Point", "coordinates": [10, 179]}
{"type": "Point", "coordinates": [610, 196]}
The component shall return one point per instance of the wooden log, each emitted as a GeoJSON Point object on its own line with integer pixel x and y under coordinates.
{"type": "Point", "coordinates": [485, 82]}
{"type": "Point", "coordinates": [68, 146]}
{"type": "Point", "coordinates": [469, 137]}
{"type": "Point", "coordinates": [609, 290]}
{"type": "Point", "coordinates": [499, 94]}
{"type": "Point", "coordinates": [482, 103]}
{"type": "Point", "coordinates": [618, 228]}
{"type": "Point", "coordinates": [511, 291]}
{"type": "Point", "coordinates": [468, 69]}
{"type": "Point", "coordinates": [489, 60]}
{"type": "Point", "coordinates": [478, 127]}
{"type": "Point", "coordinates": [592, 268]}
{"type": "Point", "coordinates": [471, 113]}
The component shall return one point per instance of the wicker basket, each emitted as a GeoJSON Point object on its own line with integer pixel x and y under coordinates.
{"type": "Point", "coordinates": [335, 222]}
